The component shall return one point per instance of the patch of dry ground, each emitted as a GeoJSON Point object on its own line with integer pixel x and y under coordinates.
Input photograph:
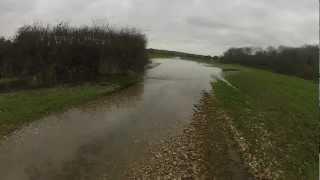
{"type": "Point", "coordinates": [204, 150]}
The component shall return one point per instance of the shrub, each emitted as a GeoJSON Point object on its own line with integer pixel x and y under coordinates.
{"type": "Point", "coordinates": [62, 53]}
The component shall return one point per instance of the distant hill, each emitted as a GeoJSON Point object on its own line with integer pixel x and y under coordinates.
{"type": "Point", "coordinates": [158, 53]}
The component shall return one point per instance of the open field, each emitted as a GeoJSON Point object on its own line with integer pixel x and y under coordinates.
{"type": "Point", "coordinates": [275, 119]}
{"type": "Point", "coordinates": [20, 107]}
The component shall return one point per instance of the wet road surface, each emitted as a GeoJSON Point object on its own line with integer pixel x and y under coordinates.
{"type": "Point", "coordinates": [100, 139]}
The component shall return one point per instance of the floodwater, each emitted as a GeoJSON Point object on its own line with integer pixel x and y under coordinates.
{"type": "Point", "coordinates": [100, 139]}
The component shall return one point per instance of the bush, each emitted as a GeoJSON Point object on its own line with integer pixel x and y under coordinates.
{"type": "Point", "coordinates": [61, 53]}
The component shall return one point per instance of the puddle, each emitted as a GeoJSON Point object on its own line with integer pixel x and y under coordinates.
{"type": "Point", "coordinates": [99, 140]}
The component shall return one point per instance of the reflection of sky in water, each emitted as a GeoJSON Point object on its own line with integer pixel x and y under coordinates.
{"type": "Point", "coordinates": [103, 136]}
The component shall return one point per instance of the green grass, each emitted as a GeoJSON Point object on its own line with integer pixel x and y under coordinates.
{"type": "Point", "coordinates": [21, 107]}
{"type": "Point", "coordinates": [284, 106]}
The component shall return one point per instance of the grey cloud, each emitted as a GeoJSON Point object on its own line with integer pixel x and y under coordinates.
{"type": "Point", "coordinates": [16, 6]}
{"type": "Point", "coordinates": [206, 22]}
{"type": "Point", "coordinates": [199, 26]}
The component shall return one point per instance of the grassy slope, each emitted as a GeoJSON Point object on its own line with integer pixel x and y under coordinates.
{"type": "Point", "coordinates": [285, 107]}
{"type": "Point", "coordinates": [159, 55]}
{"type": "Point", "coordinates": [172, 54]}
{"type": "Point", "coordinates": [18, 108]}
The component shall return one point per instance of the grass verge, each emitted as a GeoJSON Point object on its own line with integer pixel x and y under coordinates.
{"type": "Point", "coordinates": [278, 118]}
{"type": "Point", "coordinates": [21, 107]}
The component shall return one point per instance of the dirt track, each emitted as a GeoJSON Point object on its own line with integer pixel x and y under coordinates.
{"type": "Point", "coordinates": [204, 150]}
{"type": "Point", "coordinates": [181, 157]}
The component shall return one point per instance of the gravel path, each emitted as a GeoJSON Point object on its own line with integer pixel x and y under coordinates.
{"type": "Point", "coordinates": [181, 157]}
{"type": "Point", "coordinates": [206, 149]}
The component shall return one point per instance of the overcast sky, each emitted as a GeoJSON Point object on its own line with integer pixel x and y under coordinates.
{"type": "Point", "coordinates": [198, 26]}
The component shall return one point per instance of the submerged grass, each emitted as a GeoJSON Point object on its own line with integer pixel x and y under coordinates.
{"type": "Point", "coordinates": [278, 117]}
{"type": "Point", "coordinates": [20, 107]}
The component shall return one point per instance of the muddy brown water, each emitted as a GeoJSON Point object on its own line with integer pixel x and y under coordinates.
{"type": "Point", "coordinates": [100, 139]}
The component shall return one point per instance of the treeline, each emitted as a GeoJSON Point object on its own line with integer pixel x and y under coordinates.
{"type": "Point", "coordinates": [48, 55]}
{"type": "Point", "coordinates": [297, 61]}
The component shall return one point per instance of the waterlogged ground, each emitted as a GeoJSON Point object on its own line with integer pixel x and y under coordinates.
{"type": "Point", "coordinates": [99, 140]}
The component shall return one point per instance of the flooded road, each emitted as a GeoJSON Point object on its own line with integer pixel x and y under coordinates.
{"type": "Point", "coordinates": [99, 140]}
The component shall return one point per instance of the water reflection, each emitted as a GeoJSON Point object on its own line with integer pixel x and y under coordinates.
{"type": "Point", "coordinates": [103, 137]}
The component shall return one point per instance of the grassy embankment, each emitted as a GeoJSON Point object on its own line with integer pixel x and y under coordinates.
{"type": "Point", "coordinates": [158, 53]}
{"type": "Point", "coordinates": [278, 118]}
{"type": "Point", "coordinates": [20, 107]}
